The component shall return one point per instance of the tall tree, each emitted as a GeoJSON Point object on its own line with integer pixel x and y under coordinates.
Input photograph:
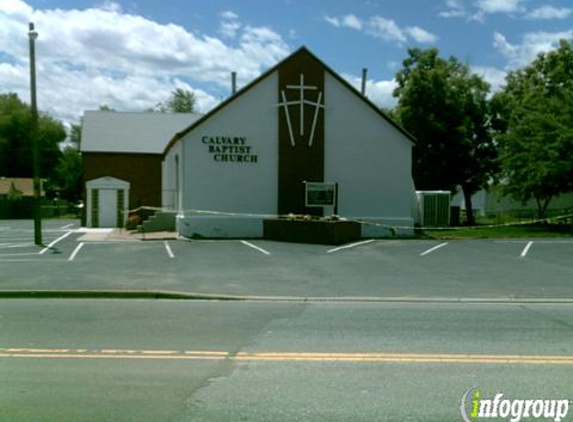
{"type": "Point", "coordinates": [534, 119]}
{"type": "Point", "coordinates": [180, 101]}
{"type": "Point", "coordinates": [445, 107]}
{"type": "Point", "coordinates": [16, 142]}
{"type": "Point", "coordinates": [68, 175]}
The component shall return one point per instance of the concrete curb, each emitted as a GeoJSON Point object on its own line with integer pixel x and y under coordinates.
{"type": "Point", "coordinates": [169, 295]}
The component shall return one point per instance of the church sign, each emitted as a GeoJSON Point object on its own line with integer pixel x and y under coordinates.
{"type": "Point", "coordinates": [230, 149]}
{"type": "Point", "coordinates": [320, 194]}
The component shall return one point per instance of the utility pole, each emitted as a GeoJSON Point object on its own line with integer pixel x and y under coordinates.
{"type": "Point", "coordinates": [32, 35]}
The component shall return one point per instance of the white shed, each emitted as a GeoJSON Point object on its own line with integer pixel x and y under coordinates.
{"type": "Point", "coordinates": [107, 202]}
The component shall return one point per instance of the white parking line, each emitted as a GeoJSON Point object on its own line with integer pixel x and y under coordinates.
{"type": "Point", "coordinates": [526, 249]}
{"type": "Point", "coordinates": [43, 251]}
{"type": "Point", "coordinates": [352, 245]}
{"type": "Point", "coordinates": [75, 252]}
{"type": "Point", "coordinates": [16, 245]}
{"type": "Point", "coordinates": [244, 242]}
{"type": "Point", "coordinates": [441, 245]}
{"type": "Point", "coordinates": [169, 251]}
{"type": "Point", "coordinates": [67, 226]}
{"type": "Point", "coordinates": [18, 254]}
{"type": "Point", "coordinates": [30, 260]}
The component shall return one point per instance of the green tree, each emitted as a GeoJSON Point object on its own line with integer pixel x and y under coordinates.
{"type": "Point", "coordinates": [180, 101]}
{"type": "Point", "coordinates": [76, 135]}
{"type": "Point", "coordinates": [534, 120]}
{"type": "Point", "coordinates": [68, 177]}
{"type": "Point", "coordinates": [445, 107]}
{"type": "Point", "coordinates": [16, 142]}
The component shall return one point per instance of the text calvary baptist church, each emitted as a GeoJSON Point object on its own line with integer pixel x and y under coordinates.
{"type": "Point", "coordinates": [251, 156]}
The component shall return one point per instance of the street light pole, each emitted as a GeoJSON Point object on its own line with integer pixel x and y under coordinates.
{"type": "Point", "coordinates": [32, 35]}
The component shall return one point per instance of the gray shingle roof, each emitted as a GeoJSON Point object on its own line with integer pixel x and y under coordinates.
{"type": "Point", "coordinates": [135, 132]}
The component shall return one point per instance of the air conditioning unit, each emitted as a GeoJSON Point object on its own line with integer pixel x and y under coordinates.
{"type": "Point", "coordinates": [434, 208]}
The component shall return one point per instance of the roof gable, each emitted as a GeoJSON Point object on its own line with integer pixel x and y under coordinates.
{"type": "Point", "coordinates": [294, 56]}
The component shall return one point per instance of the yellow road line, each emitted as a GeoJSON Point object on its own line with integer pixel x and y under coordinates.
{"type": "Point", "coordinates": [425, 358]}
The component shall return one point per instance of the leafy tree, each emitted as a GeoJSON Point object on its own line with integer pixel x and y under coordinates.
{"type": "Point", "coordinates": [76, 135]}
{"type": "Point", "coordinates": [16, 141]}
{"type": "Point", "coordinates": [68, 177]}
{"type": "Point", "coordinates": [534, 120]}
{"type": "Point", "coordinates": [445, 107]}
{"type": "Point", "coordinates": [181, 101]}
{"type": "Point", "coordinates": [105, 107]}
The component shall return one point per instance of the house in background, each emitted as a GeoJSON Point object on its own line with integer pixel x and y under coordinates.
{"type": "Point", "coordinates": [19, 186]}
{"type": "Point", "coordinates": [122, 154]}
{"type": "Point", "coordinates": [16, 197]}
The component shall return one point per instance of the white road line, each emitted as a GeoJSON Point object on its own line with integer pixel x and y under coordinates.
{"type": "Point", "coordinates": [441, 245]}
{"type": "Point", "coordinates": [67, 226]}
{"type": "Point", "coordinates": [526, 249]}
{"type": "Point", "coordinates": [244, 242]}
{"type": "Point", "coordinates": [168, 249]}
{"type": "Point", "coordinates": [75, 252]}
{"type": "Point", "coordinates": [62, 237]}
{"type": "Point", "coordinates": [352, 245]}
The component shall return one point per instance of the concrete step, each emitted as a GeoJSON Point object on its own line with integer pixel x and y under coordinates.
{"type": "Point", "coordinates": [160, 222]}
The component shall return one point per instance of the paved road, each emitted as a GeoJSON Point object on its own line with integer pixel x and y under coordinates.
{"type": "Point", "coordinates": [220, 361]}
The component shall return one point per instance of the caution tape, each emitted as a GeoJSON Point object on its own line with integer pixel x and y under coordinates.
{"type": "Point", "coordinates": [392, 228]}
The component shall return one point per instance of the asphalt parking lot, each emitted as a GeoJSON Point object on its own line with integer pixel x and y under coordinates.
{"type": "Point", "coordinates": [410, 269]}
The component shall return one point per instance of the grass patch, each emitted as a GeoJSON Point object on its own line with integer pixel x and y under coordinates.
{"type": "Point", "coordinates": [504, 232]}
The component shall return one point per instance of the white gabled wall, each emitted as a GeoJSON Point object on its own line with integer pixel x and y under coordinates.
{"type": "Point", "coordinates": [370, 159]}
{"type": "Point", "coordinates": [226, 187]}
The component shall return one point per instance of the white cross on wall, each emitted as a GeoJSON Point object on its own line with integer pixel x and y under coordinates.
{"type": "Point", "coordinates": [301, 88]}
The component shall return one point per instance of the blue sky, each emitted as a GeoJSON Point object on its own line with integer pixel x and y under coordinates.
{"type": "Point", "coordinates": [131, 54]}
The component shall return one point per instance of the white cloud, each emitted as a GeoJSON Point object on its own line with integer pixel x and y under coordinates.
{"type": "Point", "coordinates": [351, 21]}
{"type": "Point", "coordinates": [94, 56]}
{"type": "Point", "coordinates": [549, 12]}
{"type": "Point", "coordinates": [347, 21]}
{"type": "Point", "coordinates": [383, 28]}
{"type": "Point", "coordinates": [495, 77]}
{"type": "Point", "coordinates": [379, 92]}
{"type": "Point", "coordinates": [110, 6]}
{"type": "Point", "coordinates": [230, 24]}
{"type": "Point", "coordinates": [16, 9]}
{"type": "Point", "coordinates": [332, 20]}
{"type": "Point", "coordinates": [531, 45]}
{"type": "Point", "coordinates": [421, 35]}
{"type": "Point", "coordinates": [229, 15]}
{"type": "Point", "coordinates": [500, 6]}
{"type": "Point", "coordinates": [455, 9]}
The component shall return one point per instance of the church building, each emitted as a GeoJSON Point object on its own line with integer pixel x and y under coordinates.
{"type": "Point", "coordinates": [252, 157]}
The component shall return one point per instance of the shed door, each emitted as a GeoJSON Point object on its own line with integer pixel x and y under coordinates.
{"type": "Point", "coordinates": [108, 208]}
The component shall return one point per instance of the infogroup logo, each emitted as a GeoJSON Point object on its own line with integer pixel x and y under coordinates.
{"type": "Point", "coordinates": [475, 407]}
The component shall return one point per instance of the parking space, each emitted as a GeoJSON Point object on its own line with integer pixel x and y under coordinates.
{"type": "Point", "coordinates": [17, 238]}
{"type": "Point", "coordinates": [255, 267]}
